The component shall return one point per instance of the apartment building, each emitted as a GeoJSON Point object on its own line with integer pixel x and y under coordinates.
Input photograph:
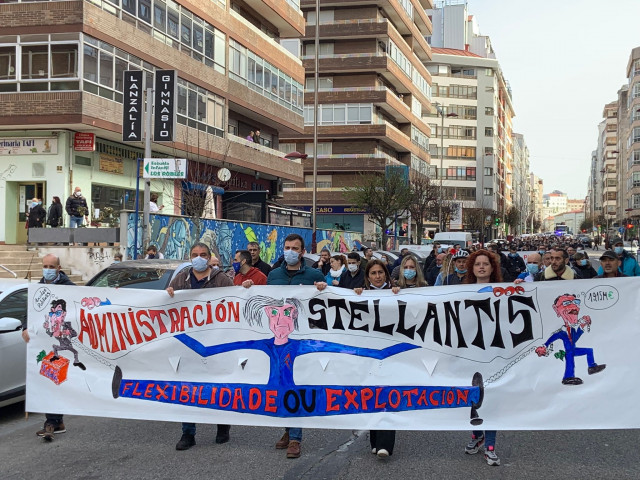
{"type": "Point", "coordinates": [521, 197]}
{"type": "Point", "coordinates": [609, 167]}
{"type": "Point", "coordinates": [537, 195]}
{"type": "Point", "coordinates": [61, 73]}
{"type": "Point", "coordinates": [629, 139]}
{"type": "Point", "coordinates": [478, 127]}
{"type": "Point", "coordinates": [475, 160]}
{"type": "Point", "coordinates": [372, 91]}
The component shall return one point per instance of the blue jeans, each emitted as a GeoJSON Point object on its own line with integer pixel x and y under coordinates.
{"type": "Point", "coordinates": [489, 437]}
{"type": "Point", "coordinates": [295, 434]}
{"type": "Point", "coordinates": [75, 221]}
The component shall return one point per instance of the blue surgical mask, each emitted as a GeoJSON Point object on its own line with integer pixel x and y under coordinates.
{"type": "Point", "coordinates": [49, 274]}
{"type": "Point", "coordinates": [236, 266]}
{"type": "Point", "coordinates": [291, 257]}
{"type": "Point", "coordinates": [513, 255]}
{"type": "Point", "coordinates": [533, 268]}
{"type": "Point", "coordinates": [409, 274]}
{"type": "Point", "coordinates": [438, 266]}
{"type": "Point", "coordinates": [460, 271]}
{"type": "Point", "coordinates": [541, 252]}
{"type": "Point", "coordinates": [199, 264]}
{"type": "Point", "coordinates": [618, 250]}
{"type": "Point", "coordinates": [34, 204]}
{"type": "Point", "coordinates": [584, 262]}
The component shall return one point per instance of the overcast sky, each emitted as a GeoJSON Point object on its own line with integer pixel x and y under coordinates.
{"type": "Point", "coordinates": [565, 59]}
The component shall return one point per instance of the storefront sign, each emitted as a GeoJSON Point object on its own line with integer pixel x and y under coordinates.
{"type": "Point", "coordinates": [84, 142]}
{"type": "Point", "coordinates": [336, 210]}
{"type": "Point", "coordinates": [28, 145]}
{"type": "Point", "coordinates": [164, 111]}
{"type": "Point", "coordinates": [165, 168]}
{"type": "Point", "coordinates": [133, 106]}
{"type": "Point", "coordinates": [111, 164]}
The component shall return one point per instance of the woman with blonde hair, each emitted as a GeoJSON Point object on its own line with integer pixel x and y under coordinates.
{"type": "Point", "coordinates": [410, 275]}
{"type": "Point", "coordinates": [446, 270]}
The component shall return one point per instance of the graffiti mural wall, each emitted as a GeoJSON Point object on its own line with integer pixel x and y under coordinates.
{"type": "Point", "coordinates": [174, 236]}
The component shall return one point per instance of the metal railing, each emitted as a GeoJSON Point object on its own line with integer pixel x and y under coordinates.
{"type": "Point", "coordinates": [261, 148]}
{"type": "Point", "coordinates": [15, 275]}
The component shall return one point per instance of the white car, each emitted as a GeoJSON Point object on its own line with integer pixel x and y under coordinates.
{"type": "Point", "coordinates": [13, 349]}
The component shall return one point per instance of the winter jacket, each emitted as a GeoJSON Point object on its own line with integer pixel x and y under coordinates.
{"type": "Point", "coordinates": [515, 266]}
{"type": "Point", "coordinates": [74, 203]}
{"type": "Point", "coordinates": [254, 274]}
{"type": "Point", "coordinates": [629, 265]}
{"type": "Point", "coordinates": [585, 272]}
{"type": "Point", "coordinates": [352, 281]}
{"type": "Point", "coordinates": [55, 215]}
{"type": "Point", "coordinates": [303, 276]}
{"type": "Point", "coordinates": [217, 278]}
{"type": "Point", "coordinates": [263, 266]}
{"type": "Point", "coordinates": [36, 217]}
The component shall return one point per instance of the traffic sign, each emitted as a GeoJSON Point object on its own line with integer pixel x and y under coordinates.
{"type": "Point", "coordinates": [621, 229]}
{"type": "Point", "coordinates": [168, 168]}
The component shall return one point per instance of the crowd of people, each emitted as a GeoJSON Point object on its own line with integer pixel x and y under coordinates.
{"type": "Point", "coordinates": [549, 259]}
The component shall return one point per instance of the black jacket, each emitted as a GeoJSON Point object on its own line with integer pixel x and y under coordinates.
{"type": "Point", "coordinates": [263, 266]}
{"type": "Point", "coordinates": [585, 272]}
{"type": "Point", "coordinates": [74, 203]}
{"type": "Point", "coordinates": [36, 217]}
{"type": "Point", "coordinates": [55, 215]}
{"type": "Point", "coordinates": [515, 266]}
{"type": "Point", "coordinates": [352, 281]}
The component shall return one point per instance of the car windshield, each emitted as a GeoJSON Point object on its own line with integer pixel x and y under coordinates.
{"type": "Point", "coordinates": [150, 278]}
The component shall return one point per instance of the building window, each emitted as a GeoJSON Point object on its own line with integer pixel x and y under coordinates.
{"type": "Point", "coordinates": [323, 181]}
{"type": "Point", "coordinates": [340, 114]}
{"type": "Point", "coordinates": [49, 65]}
{"type": "Point", "coordinates": [488, 171]}
{"type": "Point", "coordinates": [636, 90]}
{"type": "Point", "coordinates": [325, 83]}
{"type": "Point", "coordinates": [635, 135]}
{"type": "Point", "coordinates": [488, 110]}
{"type": "Point", "coordinates": [488, 192]}
{"type": "Point", "coordinates": [326, 48]}
{"type": "Point", "coordinates": [488, 72]}
{"type": "Point", "coordinates": [634, 159]}
{"type": "Point", "coordinates": [488, 132]}
{"type": "Point", "coordinates": [635, 179]}
{"type": "Point", "coordinates": [488, 151]}
{"type": "Point", "coordinates": [259, 75]}
{"type": "Point", "coordinates": [287, 147]}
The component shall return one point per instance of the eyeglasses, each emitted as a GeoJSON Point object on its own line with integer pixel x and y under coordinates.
{"type": "Point", "coordinates": [569, 302]}
{"type": "Point", "coordinates": [57, 313]}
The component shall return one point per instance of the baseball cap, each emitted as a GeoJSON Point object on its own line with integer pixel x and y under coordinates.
{"type": "Point", "coordinates": [609, 254]}
{"type": "Point", "coordinates": [460, 254]}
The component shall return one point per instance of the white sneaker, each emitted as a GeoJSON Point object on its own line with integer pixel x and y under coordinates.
{"type": "Point", "coordinates": [383, 453]}
{"type": "Point", "coordinates": [374, 450]}
{"type": "Point", "coordinates": [491, 457]}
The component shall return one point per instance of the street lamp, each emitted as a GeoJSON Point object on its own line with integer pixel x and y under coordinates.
{"type": "Point", "coordinates": [441, 113]}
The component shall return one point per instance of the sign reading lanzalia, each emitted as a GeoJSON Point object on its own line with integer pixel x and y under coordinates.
{"type": "Point", "coordinates": [164, 121]}
{"type": "Point", "coordinates": [133, 106]}
{"type": "Point", "coordinates": [164, 168]}
{"type": "Point", "coordinates": [508, 357]}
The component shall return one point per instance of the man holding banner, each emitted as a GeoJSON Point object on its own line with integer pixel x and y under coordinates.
{"type": "Point", "coordinates": [200, 275]}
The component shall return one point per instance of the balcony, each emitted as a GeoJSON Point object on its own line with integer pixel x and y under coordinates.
{"type": "Point", "coordinates": [285, 15]}
{"type": "Point", "coordinates": [383, 97]}
{"type": "Point", "coordinates": [366, 63]}
{"type": "Point", "coordinates": [355, 162]}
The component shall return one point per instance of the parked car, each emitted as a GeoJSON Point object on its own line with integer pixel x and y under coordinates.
{"type": "Point", "coordinates": [13, 349]}
{"type": "Point", "coordinates": [150, 274]}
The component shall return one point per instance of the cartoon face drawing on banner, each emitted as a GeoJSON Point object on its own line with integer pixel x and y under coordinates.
{"type": "Point", "coordinates": [567, 307]}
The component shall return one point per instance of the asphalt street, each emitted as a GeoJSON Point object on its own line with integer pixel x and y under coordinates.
{"type": "Point", "coordinates": [97, 448]}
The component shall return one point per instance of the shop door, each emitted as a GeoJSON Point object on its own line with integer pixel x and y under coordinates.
{"type": "Point", "coordinates": [26, 191]}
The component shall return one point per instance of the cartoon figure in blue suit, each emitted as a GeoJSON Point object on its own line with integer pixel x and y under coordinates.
{"type": "Point", "coordinates": [282, 351]}
{"type": "Point", "coordinates": [567, 307]}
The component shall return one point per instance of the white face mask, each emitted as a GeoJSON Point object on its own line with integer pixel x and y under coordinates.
{"type": "Point", "coordinates": [78, 194]}
{"type": "Point", "coordinates": [352, 268]}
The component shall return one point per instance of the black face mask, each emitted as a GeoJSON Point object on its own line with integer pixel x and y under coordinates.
{"type": "Point", "coordinates": [151, 256]}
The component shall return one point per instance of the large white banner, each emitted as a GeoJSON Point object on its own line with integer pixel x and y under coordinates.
{"type": "Point", "coordinates": [549, 355]}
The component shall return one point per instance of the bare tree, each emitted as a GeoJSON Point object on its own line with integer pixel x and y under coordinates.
{"type": "Point", "coordinates": [424, 203]}
{"type": "Point", "coordinates": [512, 218]}
{"type": "Point", "coordinates": [385, 197]}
